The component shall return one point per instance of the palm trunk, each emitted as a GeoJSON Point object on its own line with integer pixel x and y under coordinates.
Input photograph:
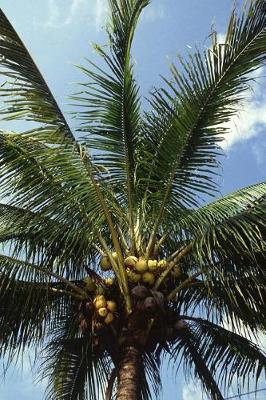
{"type": "Point", "coordinates": [128, 375]}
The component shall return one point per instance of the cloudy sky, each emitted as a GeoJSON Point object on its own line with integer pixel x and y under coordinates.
{"type": "Point", "coordinates": [59, 34]}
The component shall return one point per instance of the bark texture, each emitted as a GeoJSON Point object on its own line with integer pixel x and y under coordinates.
{"type": "Point", "coordinates": [128, 375]}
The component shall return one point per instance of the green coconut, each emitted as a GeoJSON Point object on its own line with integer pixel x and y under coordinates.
{"type": "Point", "coordinates": [105, 264]}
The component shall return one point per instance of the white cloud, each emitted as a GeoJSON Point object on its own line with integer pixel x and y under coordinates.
{"type": "Point", "coordinates": [250, 121]}
{"type": "Point", "coordinates": [251, 118]}
{"type": "Point", "coordinates": [53, 15]}
{"type": "Point", "coordinates": [93, 13]}
{"type": "Point", "coordinates": [101, 11]}
{"type": "Point", "coordinates": [191, 391]}
{"type": "Point", "coordinates": [259, 151]}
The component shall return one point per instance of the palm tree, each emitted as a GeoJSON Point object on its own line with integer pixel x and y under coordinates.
{"type": "Point", "coordinates": [112, 258]}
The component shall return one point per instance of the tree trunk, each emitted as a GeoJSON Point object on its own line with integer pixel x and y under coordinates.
{"type": "Point", "coordinates": [128, 375]}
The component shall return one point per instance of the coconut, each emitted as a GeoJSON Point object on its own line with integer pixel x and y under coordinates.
{"type": "Point", "coordinates": [148, 277]}
{"type": "Point", "coordinates": [109, 318]}
{"type": "Point", "coordinates": [98, 325]}
{"type": "Point", "coordinates": [159, 298]}
{"type": "Point", "coordinates": [103, 312]}
{"type": "Point", "coordinates": [133, 276]}
{"type": "Point", "coordinates": [111, 306]}
{"type": "Point", "coordinates": [131, 261]}
{"type": "Point", "coordinates": [100, 291]}
{"type": "Point", "coordinates": [90, 285]}
{"type": "Point", "coordinates": [162, 264]}
{"type": "Point", "coordinates": [105, 264]}
{"type": "Point", "coordinates": [109, 281]}
{"type": "Point", "coordinates": [152, 265]}
{"type": "Point", "coordinates": [150, 304]}
{"type": "Point", "coordinates": [140, 292]}
{"type": "Point", "coordinates": [141, 265]}
{"type": "Point", "coordinates": [99, 302]}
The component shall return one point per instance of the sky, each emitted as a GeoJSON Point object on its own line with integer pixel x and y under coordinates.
{"type": "Point", "coordinates": [59, 35]}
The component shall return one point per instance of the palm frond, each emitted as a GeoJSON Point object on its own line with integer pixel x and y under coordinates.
{"type": "Point", "coordinates": [25, 92]}
{"type": "Point", "coordinates": [226, 354]}
{"type": "Point", "coordinates": [225, 294]}
{"type": "Point", "coordinates": [186, 124]}
{"type": "Point", "coordinates": [241, 234]}
{"type": "Point", "coordinates": [38, 237]}
{"type": "Point", "coordinates": [27, 308]}
{"type": "Point", "coordinates": [29, 97]}
{"type": "Point", "coordinates": [77, 369]}
{"type": "Point", "coordinates": [111, 117]}
{"type": "Point", "coordinates": [195, 222]}
{"type": "Point", "coordinates": [187, 349]}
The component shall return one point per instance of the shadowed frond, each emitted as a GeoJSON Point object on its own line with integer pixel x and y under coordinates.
{"type": "Point", "coordinates": [224, 354]}
{"type": "Point", "coordinates": [27, 308]}
{"type": "Point", "coordinates": [76, 370]}
{"type": "Point", "coordinates": [228, 294]}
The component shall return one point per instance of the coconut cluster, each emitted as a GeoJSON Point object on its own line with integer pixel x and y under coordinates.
{"type": "Point", "coordinates": [100, 308]}
{"type": "Point", "coordinates": [141, 270]}
{"type": "Point", "coordinates": [104, 309]}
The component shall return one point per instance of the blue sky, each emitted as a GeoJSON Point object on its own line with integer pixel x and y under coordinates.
{"type": "Point", "coordinates": [59, 34]}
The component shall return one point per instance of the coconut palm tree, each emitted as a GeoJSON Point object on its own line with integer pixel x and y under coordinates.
{"type": "Point", "coordinates": [113, 256]}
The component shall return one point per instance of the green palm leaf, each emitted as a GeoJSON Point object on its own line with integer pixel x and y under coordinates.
{"type": "Point", "coordinates": [111, 101]}
{"type": "Point", "coordinates": [186, 124]}
{"type": "Point", "coordinates": [25, 92]}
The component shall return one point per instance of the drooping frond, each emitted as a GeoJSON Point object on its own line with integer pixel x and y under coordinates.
{"type": "Point", "coordinates": [196, 222]}
{"type": "Point", "coordinates": [241, 234]}
{"type": "Point", "coordinates": [76, 369]}
{"type": "Point", "coordinates": [188, 117]}
{"type": "Point", "coordinates": [27, 307]}
{"type": "Point", "coordinates": [28, 97]}
{"type": "Point", "coordinates": [25, 93]}
{"type": "Point", "coordinates": [150, 379]}
{"type": "Point", "coordinates": [219, 353]}
{"type": "Point", "coordinates": [238, 299]}
{"type": "Point", "coordinates": [195, 365]}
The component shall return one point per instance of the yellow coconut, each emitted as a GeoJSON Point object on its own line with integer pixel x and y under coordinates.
{"type": "Point", "coordinates": [111, 305]}
{"type": "Point", "coordinates": [141, 265]}
{"type": "Point", "coordinates": [105, 264]}
{"type": "Point", "coordinates": [99, 302]}
{"type": "Point", "coordinates": [109, 318]}
{"type": "Point", "coordinates": [133, 276]}
{"type": "Point", "coordinates": [148, 277]}
{"type": "Point", "coordinates": [131, 261]}
{"type": "Point", "coordinates": [103, 312]}
{"type": "Point", "coordinates": [99, 297]}
{"type": "Point", "coordinates": [109, 281]}
{"type": "Point", "coordinates": [162, 264]}
{"type": "Point", "coordinates": [152, 265]}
